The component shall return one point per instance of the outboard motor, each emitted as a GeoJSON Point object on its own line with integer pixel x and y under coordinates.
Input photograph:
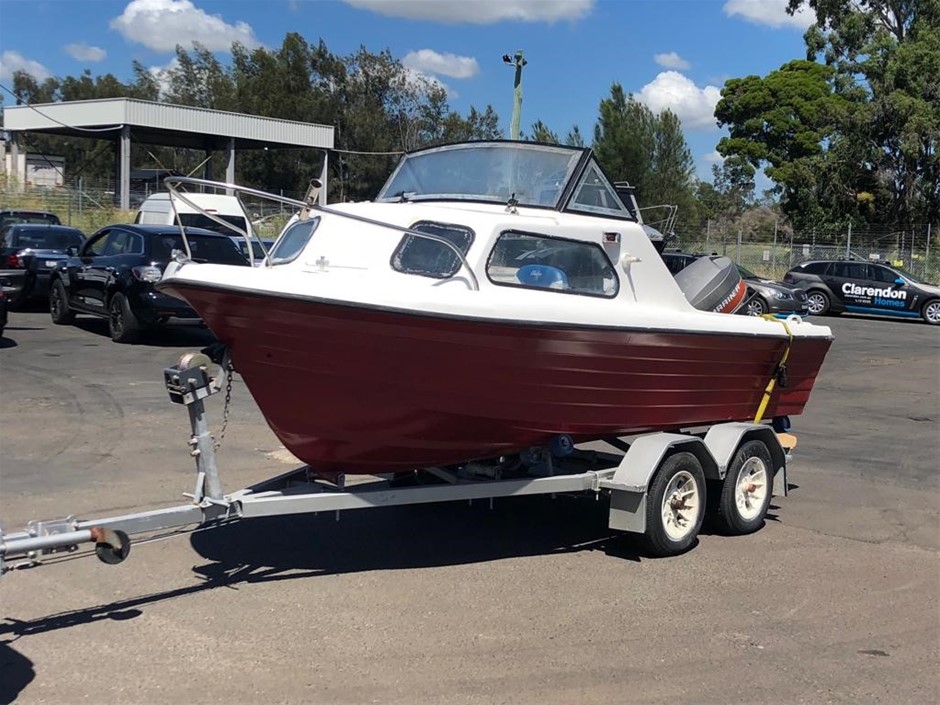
{"type": "Point", "coordinates": [713, 284]}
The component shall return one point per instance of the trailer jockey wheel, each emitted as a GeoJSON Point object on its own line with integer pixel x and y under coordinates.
{"type": "Point", "coordinates": [675, 505]}
{"type": "Point", "coordinates": [111, 545]}
{"type": "Point", "coordinates": [747, 489]}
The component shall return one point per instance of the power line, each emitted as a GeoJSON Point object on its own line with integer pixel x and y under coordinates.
{"type": "Point", "coordinates": [353, 151]}
{"type": "Point", "coordinates": [61, 124]}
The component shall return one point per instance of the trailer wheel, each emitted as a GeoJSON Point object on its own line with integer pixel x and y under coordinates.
{"type": "Point", "coordinates": [675, 505]}
{"type": "Point", "coordinates": [747, 489]}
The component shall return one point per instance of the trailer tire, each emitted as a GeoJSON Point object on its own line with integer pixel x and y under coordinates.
{"type": "Point", "coordinates": [675, 505]}
{"type": "Point", "coordinates": [747, 489]}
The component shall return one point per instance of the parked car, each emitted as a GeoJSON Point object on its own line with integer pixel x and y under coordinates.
{"type": "Point", "coordinates": [26, 215]}
{"type": "Point", "coordinates": [3, 311]}
{"type": "Point", "coordinates": [113, 274]}
{"type": "Point", "coordinates": [764, 295]}
{"type": "Point", "coordinates": [38, 248]}
{"type": "Point", "coordinates": [159, 209]}
{"type": "Point", "coordinates": [768, 296]}
{"type": "Point", "coordinates": [834, 286]}
{"type": "Point", "coordinates": [258, 247]}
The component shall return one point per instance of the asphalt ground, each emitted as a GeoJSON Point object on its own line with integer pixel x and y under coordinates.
{"type": "Point", "coordinates": [534, 600]}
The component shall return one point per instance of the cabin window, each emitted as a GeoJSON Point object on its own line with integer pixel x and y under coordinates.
{"type": "Point", "coordinates": [293, 240]}
{"type": "Point", "coordinates": [540, 262]}
{"type": "Point", "coordinates": [594, 194]}
{"type": "Point", "coordinates": [432, 258]}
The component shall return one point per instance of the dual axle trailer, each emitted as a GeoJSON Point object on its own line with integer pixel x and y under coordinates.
{"type": "Point", "coordinates": [658, 485]}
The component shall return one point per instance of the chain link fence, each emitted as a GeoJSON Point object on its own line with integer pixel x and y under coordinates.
{"type": "Point", "coordinates": [768, 247]}
{"type": "Point", "coordinates": [774, 249]}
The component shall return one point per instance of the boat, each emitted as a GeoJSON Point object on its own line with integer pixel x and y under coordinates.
{"type": "Point", "coordinates": [494, 296]}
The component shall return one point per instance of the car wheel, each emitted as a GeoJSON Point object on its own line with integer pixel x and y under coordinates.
{"type": "Point", "coordinates": [756, 306]}
{"type": "Point", "coordinates": [675, 505]}
{"type": "Point", "coordinates": [817, 302]}
{"type": "Point", "coordinates": [931, 312]}
{"type": "Point", "coordinates": [59, 309]}
{"type": "Point", "coordinates": [747, 489]}
{"type": "Point", "coordinates": [122, 323]}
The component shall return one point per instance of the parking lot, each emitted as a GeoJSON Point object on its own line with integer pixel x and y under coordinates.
{"type": "Point", "coordinates": [532, 600]}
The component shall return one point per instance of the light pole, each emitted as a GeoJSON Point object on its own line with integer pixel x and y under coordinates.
{"type": "Point", "coordinates": [518, 62]}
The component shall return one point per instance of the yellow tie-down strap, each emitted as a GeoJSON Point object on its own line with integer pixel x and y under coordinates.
{"type": "Point", "coordinates": [779, 371]}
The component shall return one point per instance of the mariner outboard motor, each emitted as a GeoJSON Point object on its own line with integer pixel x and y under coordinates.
{"type": "Point", "coordinates": [713, 284]}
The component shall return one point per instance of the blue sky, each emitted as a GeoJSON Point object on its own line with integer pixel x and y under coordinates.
{"type": "Point", "coordinates": [668, 53]}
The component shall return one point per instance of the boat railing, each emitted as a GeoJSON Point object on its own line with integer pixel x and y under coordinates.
{"type": "Point", "coordinates": [174, 182]}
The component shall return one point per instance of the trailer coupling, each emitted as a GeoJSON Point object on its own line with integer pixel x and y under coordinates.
{"type": "Point", "coordinates": [189, 382]}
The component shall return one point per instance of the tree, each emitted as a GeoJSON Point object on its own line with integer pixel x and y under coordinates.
{"type": "Point", "coordinates": [886, 59]}
{"type": "Point", "coordinates": [574, 137]}
{"type": "Point", "coordinates": [649, 151]}
{"type": "Point", "coordinates": [541, 133]}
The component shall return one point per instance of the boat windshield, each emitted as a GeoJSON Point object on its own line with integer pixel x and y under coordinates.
{"type": "Point", "coordinates": [532, 174]}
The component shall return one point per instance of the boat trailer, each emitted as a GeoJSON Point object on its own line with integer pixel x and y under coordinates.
{"type": "Point", "coordinates": [656, 483]}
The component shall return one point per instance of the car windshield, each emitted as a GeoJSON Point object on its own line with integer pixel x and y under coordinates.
{"type": "Point", "coordinates": [532, 174]}
{"type": "Point", "coordinates": [28, 217]}
{"type": "Point", "coordinates": [46, 238]}
{"type": "Point", "coordinates": [200, 220]}
{"type": "Point", "coordinates": [746, 273]}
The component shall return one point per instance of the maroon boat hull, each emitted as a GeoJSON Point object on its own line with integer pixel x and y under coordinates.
{"type": "Point", "coordinates": [366, 390]}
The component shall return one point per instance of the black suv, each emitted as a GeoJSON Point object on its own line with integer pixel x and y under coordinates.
{"type": "Point", "coordinates": [865, 287]}
{"type": "Point", "coordinates": [113, 274]}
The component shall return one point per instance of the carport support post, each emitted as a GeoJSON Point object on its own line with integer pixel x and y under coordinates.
{"type": "Point", "coordinates": [124, 168]}
{"type": "Point", "coordinates": [323, 174]}
{"type": "Point", "coordinates": [230, 164]}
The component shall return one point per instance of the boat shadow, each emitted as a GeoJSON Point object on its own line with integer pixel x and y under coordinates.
{"type": "Point", "coordinates": [265, 550]}
{"type": "Point", "coordinates": [417, 536]}
{"type": "Point", "coordinates": [16, 672]}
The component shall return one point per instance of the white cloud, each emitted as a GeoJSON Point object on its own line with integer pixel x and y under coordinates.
{"type": "Point", "coordinates": [430, 62]}
{"type": "Point", "coordinates": [479, 11]}
{"type": "Point", "coordinates": [419, 79]}
{"type": "Point", "coordinates": [713, 157]}
{"type": "Point", "coordinates": [12, 61]}
{"type": "Point", "coordinates": [772, 13]}
{"type": "Point", "coordinates": [693, 105]}
{"type": "Point", "coordinates": [83, 52]}
{"type": "Point", "coordinates": [162, 24]}
{"type": "Point", "coordinates": [672, 61]}
{"type": "Point", "coordinates": [161, 74]}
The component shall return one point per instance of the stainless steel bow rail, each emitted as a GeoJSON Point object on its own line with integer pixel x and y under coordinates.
{"type": "Point", "coordinates": [656, 484]}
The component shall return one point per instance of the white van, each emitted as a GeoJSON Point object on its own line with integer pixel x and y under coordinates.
{"type": "Point", "coordinates": [157, 210]}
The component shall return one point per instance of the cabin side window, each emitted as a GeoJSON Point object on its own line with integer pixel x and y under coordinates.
{"type": "Point", "coordinates": [293, 240]}
{"type": "Point", "coordinates": [432, 257]}
{"type": "Point", "coordinates": [540, 262]}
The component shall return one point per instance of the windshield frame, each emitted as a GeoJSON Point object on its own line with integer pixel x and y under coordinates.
{"type": "Point", "coordinates": [502, 167]}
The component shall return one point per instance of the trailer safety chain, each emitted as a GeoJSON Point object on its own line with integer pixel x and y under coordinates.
{"type": "Point", "coordinates": [229, 370]}
{"type": "Point", "coordinates": [780, 371]}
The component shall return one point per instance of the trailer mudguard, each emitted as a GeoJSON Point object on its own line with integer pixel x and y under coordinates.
{"type": "Point", "coordinates": [724, 440]}
{"type": "Point", "coordinates": [632, 477]}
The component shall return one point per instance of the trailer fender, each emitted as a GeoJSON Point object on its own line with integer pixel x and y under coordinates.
{"type": "Point", "coordinates": [632, 477]}
{"type": "Point", "coordinates": [723, 441]}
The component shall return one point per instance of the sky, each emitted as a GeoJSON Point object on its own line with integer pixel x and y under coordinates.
{"type": "Point", "coordinates": [673, 54]}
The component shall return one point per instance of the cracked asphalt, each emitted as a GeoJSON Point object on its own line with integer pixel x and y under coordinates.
{"type": "Point", "coordinates": [533, 600]}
